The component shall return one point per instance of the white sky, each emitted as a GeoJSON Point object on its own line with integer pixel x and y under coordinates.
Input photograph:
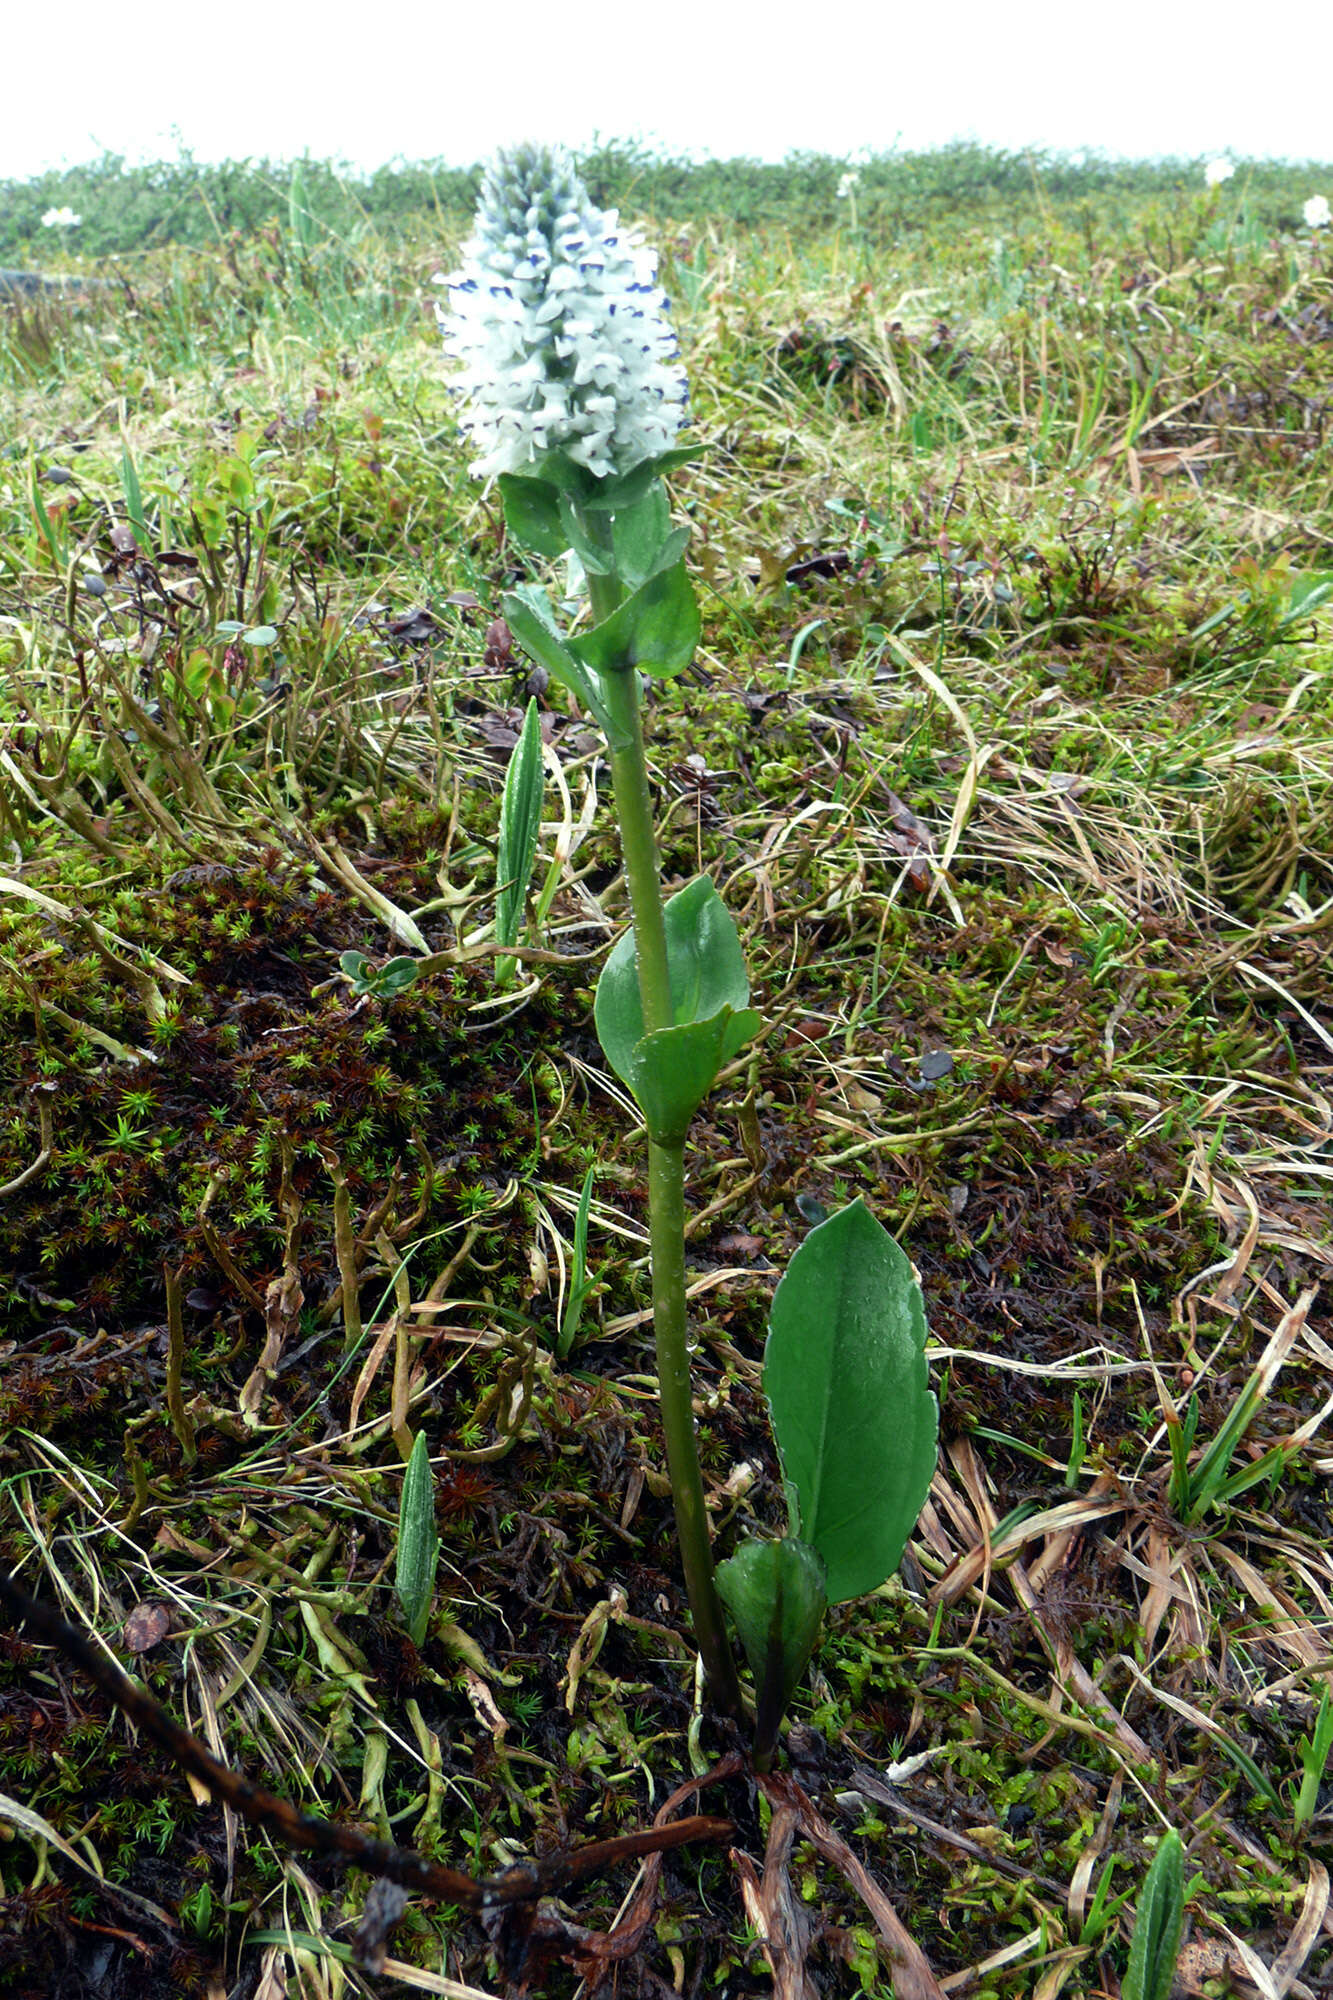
{"type": "Point", "coordinates": [383, 79]}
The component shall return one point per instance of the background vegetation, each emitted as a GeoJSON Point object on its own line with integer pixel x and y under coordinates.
{"type": "Point", "coordinates": [1009, 745]}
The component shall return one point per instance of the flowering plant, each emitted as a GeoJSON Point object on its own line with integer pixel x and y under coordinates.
{"type": "Point", "coordinates": [61, 218]}
{"type": "Point", "coordinates": [1217, 171]}
{"type": "Point", "coordinates": [558, 320]}
{"type": "Point", "coordinates": [574, 396]}
{"type": "Point", "coordinates": [1316, 212]}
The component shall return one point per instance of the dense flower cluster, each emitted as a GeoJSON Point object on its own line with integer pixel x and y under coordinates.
{"type": "Point", "coordinates": [560, 326]}
{"type": "Point", "coordinates": [1218, 171]}
{"type": "Point", "coordinates": [1316, 212]}
{"type": "Point", "coordinates": [61, 218]}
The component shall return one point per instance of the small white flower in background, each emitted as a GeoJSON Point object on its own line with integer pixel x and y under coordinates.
{"type": "Point", "coordinates": [1218, 171]}
{"type": "Point", "coordinates": [1316, 212]}
{"type": "Point", "coordinates": [846, 184]}
{"type": "Point", "coordinates": [61, 218]}
{"type": "Point", "coordinates": [561, 328]}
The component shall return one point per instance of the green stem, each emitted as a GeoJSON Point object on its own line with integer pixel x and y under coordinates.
{"type": "Point", "coordinates": [666, 1212]}
{"type": "Point", "coordinates": [666, 1195]}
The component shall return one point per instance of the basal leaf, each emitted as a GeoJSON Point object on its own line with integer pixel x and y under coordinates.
{"type": "Point", "coordinates": [846, 1379]}
{"type": "Point", "coordinates": [775, 1593]}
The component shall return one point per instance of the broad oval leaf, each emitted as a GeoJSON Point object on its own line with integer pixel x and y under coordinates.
{"type": "Point", "coordinates": [705, 961]}
{"type": "Point", "coordinates": [671, 1072]}
{"type": "Point", "coordinates": [532, 513]}
{"type": "Point", "coordinates": [656, 628]}
{"type": "Point", "coordinates": [846, 1379]}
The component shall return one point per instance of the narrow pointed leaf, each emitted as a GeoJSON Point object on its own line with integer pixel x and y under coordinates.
{"type": "Point", "coordinates": [418, 1542]}
{"type": "Point", "coordinates": [846, 1379]}
{"type": "Point", "coordinates": [520, 823]}
{"type": "Point", "coordinates": [528, 615]}
{"type": "Point", "coordinates": [1155, 1945]}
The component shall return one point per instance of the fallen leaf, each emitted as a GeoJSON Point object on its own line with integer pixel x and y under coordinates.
{"type": "Point", "coordinates": [147, 1626]}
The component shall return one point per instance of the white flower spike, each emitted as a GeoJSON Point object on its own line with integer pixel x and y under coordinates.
{"type": "Point", "coordinates": [61, 218]}
{"type": "Point", "coordinates": [1316, 212]}
{"type": "Point", "coordinates": [1218, 171]}
{"type": "Point", "coordinates": [561, 328]}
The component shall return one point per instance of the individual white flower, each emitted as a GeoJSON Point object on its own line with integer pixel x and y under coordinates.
{"type": "Point", "coordinates": [846, 184]}
{"type": "Point", "coordinates": [1316, 212]}
{"type": "Point", "coordinates": [561, 328]}
{"type": "Point", "coordinates": [61, 218]}
{"type": "Point", "coordinates": [1218, 171]}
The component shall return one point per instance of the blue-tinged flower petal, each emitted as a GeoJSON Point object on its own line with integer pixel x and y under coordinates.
{"type": "Point", "coordinates": [560, 326]}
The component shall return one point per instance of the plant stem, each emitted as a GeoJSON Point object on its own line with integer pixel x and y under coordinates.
{"type": "Point", "coordinates": [634, 810]}
{"type": "Point", "coordinates": [666, 1222]}
{"type": "Point", "coordinates": [666, 1196]}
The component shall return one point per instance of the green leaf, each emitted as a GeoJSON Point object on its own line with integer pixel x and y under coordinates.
{"type": "Point", "coordinates": [671, 1072]}
{"type": "Point", "coordinates": [520, 823]}
{"type": "Point", "coordinates": [580, 1284]}
{"type": "Point", "coordinates": [609, 495]}
{"type": "Point", "coordinates": [710, 992]}
{"type": "Point", "coordinates": [644, 540]}
{"type": "Point", "coordinates": [532, 513]}
{"type": "Point", "coordinates": [594, 556]}
{"type": "Point", "coordinates": [1157, 1925]}
{"type": "Point", "coordinates": [130, 487]}
{"type": "Point", "coordinates": [657, 628]}
{"type": "Point", "coordinates": [846, 1379]}
{"type": "Point", "coordinates": [530, 619]}
{"type": "Point", "coordinates": [775, 1592]}
{"type": "Point", "coordinates": [1306, 595]}
{"type": "Point", "coordinates": [418, 1543]}
{"type": "Point", "coordinates": [394, 977]}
